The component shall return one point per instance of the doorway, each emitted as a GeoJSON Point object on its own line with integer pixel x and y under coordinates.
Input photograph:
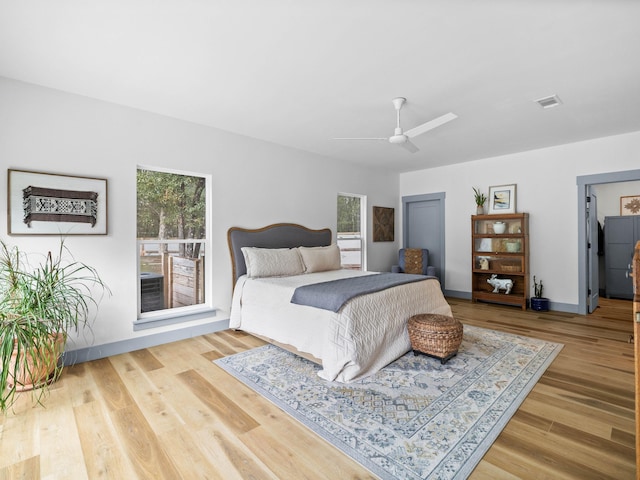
{"type": "Point", "coordinates": [423, 227]}
{"type": "Point", "coordinates": [585, 183]}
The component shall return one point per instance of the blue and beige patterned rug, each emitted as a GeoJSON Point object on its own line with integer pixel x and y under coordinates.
{"type": "Point", "coordinates": [416, 418]}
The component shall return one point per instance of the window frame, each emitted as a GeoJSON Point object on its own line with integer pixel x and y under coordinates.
{"type": "Point", "coordinates": [363, 227]}
{"type": "Point", "coordinates": [190, 312]}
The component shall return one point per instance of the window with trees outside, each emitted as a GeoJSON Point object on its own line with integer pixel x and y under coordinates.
{"type": "Point", "coordinates": [173, 240]}
{"type": "Point", "coordinates": [350, 232]}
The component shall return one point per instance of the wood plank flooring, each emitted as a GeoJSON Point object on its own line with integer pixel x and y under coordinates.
{"type": "Point", "coordinates": [169, 413]}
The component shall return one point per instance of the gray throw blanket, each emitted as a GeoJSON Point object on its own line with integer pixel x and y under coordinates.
{"type": "Point", "coordinates": [334, 294]}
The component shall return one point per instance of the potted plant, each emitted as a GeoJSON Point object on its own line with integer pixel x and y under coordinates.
{"type": "Point", "coordinates": [480, 199]}
{"type": "Point", "coordinates": [538, 302]}
{"type": "Point", "coordinates": [39, 304]}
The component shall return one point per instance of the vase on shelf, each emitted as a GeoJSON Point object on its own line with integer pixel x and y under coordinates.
{"type": "Point", "coordinates": [480, 210]}
{"type": "Point", "coordinates": [499, 227]}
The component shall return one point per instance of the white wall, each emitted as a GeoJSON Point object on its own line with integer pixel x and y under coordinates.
{"type": "Point", "coordinates": [609, 197]}
{"type": "Point", "coordinates": [546, 189]}
{"type": "Point", "coordinates": [254, 184]}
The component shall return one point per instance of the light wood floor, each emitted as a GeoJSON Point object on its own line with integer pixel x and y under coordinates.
{"type": "Point", "coordinates": [169, 412]}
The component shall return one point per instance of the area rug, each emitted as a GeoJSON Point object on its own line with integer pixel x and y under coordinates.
{"type": "Point", "coordinates": [415, 418]}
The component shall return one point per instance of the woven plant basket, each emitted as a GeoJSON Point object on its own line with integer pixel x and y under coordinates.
{"type": "Point", "coordinates": [36, 367]}
{"type": "Point", "coordinates": [435, 335]}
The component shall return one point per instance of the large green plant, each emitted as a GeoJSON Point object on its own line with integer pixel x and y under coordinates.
{"type": "Point", "coordinates": [39, 304]}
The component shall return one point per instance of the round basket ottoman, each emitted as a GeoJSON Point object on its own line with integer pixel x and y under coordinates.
{"type": "Point", "coordinates": [435, 335]}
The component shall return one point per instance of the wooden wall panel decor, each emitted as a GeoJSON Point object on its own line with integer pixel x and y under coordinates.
{"type": "Point", "coordinates": [52, 204]}
{"type": "Point", "coordinates": [383, 224]}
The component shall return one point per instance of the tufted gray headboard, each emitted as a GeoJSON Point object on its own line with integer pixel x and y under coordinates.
{"type": "Point", "coordinates": [279, 235]}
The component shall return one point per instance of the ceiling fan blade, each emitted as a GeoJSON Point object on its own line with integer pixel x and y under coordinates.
{"type": "Point", "coordinates": [361, 138]}
{"type": "Point", "coordinates": [409, 146]}
{"type": "Point", "coordinates": [430, 125]}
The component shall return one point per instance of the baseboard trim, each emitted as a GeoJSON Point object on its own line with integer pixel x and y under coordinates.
{"type": "Point", "coordinates": [564, 307]}
{"type": "Point", "coordinates": [554, 306]}
{"type": "Point", "coordinates": [457, 294]}
{"type": "Point", "coordinates": [96, 352]}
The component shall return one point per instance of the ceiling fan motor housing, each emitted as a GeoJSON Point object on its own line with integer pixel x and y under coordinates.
{"type": "Point", "coordinates": [398, 138]}
{"type": "Point", "coordinates": [398, 102]}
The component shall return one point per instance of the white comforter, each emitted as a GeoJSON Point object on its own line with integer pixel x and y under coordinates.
{"type": "Point", "coordinates": [368, 332]}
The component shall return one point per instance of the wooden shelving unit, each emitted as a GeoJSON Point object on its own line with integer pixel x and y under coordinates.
{"type": "Point", "coordinates": [505, 255]}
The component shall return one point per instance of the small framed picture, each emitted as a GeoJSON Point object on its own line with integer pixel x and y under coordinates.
{"type": "Point", "coordinates": [502, 199]}
{"type": "Point", "coordinates": [630, 205]}
{"type": "Point", "coordinates": [52, 204]}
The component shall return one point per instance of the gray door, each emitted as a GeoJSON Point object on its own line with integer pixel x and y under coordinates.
{"type": "Point", "coordinates": [593, 293]}
{"type": "Point", "coordinates": [424, 228]}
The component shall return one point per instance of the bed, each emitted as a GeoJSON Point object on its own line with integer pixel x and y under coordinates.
{"type": "Point", "coordinates": [363, 335]}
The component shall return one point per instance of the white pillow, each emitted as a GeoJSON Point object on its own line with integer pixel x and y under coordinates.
{"type": "Point", "coordinates": [272, 262]}
{"type": "Point", "coordinates": [320, 259]}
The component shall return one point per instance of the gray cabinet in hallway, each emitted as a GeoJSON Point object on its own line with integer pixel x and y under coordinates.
{"type": "Point", "coordinates": [620, 236]}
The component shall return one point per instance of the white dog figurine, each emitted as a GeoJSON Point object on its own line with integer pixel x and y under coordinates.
{"type": "Point", "coordinates": [500, 284]}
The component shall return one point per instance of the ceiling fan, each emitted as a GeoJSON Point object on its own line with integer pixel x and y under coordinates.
{"type": "Point", "coordinates": [401, 138]}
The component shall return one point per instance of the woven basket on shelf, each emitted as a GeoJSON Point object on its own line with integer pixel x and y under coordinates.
{"type": "Point", "coordinates": [510, 268]}
{"type": "Point", "coordinates": [435, 335]}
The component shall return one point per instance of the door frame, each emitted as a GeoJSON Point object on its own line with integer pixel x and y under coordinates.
{"type": "Point", "coordinates": [593, 267]}
{"type": "Point", "coordinates": [440, 197]}
{"type": "Point", "coordinates": [583, 181]}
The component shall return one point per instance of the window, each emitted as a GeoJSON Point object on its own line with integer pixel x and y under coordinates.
{"type": "Point", "coordinates": [350, 233]}
{"type": "Point", "coordinates": [173, 239]}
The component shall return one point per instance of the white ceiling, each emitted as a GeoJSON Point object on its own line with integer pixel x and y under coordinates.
{"type": "Point", "coordinates": [301, 72]}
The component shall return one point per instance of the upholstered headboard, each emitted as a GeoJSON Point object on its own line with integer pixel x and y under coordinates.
{"type": "Point", "coordinates": [279, 235]}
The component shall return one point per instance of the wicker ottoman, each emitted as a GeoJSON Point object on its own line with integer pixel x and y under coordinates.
{"type": "Point", "coordinates": [435, 335]}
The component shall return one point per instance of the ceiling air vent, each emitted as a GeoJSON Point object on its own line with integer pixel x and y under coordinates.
{"type": "Point", "coordinates": [548, 102]}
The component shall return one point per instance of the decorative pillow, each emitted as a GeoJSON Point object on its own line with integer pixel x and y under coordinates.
{"type": "Point", "coordinates": [320, 259]}
{"type": "Point", "coordinates": [272, 262]}
{"type": "Point", "coordinates": [413, 260]}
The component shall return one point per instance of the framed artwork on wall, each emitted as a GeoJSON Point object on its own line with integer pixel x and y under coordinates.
{"type": "Point", "coordinates": [630, 205]}
{"type": "Point", "coordinates": [52, 204]}
{"type": "Point", "coordinates": [383, 224]}
{"type": "Point", "coordinates": [502, 199]}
